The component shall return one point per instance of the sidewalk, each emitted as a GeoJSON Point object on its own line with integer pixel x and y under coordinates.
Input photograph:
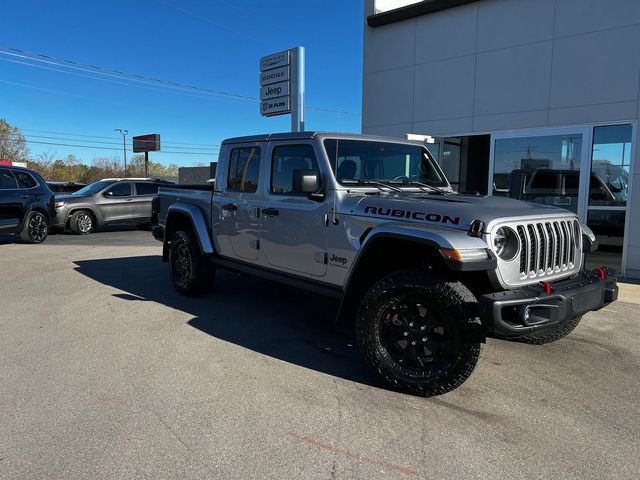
{"type": "Point", "coordinates": [629, 292]}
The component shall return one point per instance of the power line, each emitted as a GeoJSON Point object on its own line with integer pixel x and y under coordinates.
{"type": "Point", "coordinates": [98, 70]}
{"type": "Point", "coordinates": [94, 147]}
{"type": "Point", "coordinates": [15, 135]}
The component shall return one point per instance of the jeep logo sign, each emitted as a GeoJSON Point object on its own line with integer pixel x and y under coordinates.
{"type": "Point", "coordinates": [274, 90]}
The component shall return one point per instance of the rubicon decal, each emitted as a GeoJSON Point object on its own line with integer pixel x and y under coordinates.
{"type": "Point", "coordinates": [425, 216]}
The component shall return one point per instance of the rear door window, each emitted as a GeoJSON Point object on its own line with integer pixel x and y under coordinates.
{"type": "Point", "coordinates": [25, 180]}
{"type": "Point", "coordinates": [146, 189]}
{"type": "Point", "coordinates": [7, 180]}
{"type": "Point", "coordinates": [244, 170]}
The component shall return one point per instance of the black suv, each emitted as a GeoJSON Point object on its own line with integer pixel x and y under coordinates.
{"type": "Point", "coordinates": [26, 204]}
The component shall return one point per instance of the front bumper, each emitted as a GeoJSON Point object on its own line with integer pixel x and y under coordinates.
{"type": "Point", "coordinates": [516, 313]}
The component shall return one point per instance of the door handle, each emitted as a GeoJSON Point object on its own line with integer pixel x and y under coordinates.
{"type": "Point", "coordinates": [270, 212]}
{"type": "Point", "coordinates": [129, 199]}
{"type": "Point", "coordinates": [25, 196]}
{"type": "Point", "coordinates": [230, 207]}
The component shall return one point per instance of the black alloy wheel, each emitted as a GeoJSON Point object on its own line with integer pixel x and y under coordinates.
{"type": "Point", "coordinates": [418, 338]}
{"type": "Point", "coordinates": [36, 229]}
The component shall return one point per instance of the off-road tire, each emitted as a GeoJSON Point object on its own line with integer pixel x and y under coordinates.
{"type": "Point", "coordinates": [450, 303]}
{"type": "Point", "coordinates": [552, 334]}
{"type": "Point", "coordinates": [35, 229]}
{"type": "Point", "coordinates": [82, 222]}
{"type": "Point", "coordinates": [191, 271]}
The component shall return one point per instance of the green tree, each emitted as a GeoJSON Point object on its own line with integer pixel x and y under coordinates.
{"type": "Point", "coordinates": [13, 146]}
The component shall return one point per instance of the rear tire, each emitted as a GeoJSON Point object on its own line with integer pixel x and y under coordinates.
{"type": "Point", "coordinates": [553, 334]}
{"type": "Point", "coordinates": [191, 271]}
{"type": "Point", "coordinates": [417, 332]}
{"type": "Point", "coordinates": [36, 228]}
{"type": "Point", "coordinates": [82, 222]}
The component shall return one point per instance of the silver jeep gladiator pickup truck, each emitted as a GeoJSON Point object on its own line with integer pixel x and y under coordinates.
{"type": "Point", "coordinates": [425, 273]}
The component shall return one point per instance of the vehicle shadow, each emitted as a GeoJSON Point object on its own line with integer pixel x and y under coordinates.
{"type": "Point", "coordinates": [4, 239]}
{"type": "Point", "coordinates": [268, 318]}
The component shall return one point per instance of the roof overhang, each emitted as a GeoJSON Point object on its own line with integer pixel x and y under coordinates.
{"type": "Point", "coordinates": [414, 10]}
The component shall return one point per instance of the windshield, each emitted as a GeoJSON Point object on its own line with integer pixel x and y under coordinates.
{"type": "Point", "coordinates": [93, 188]}
{"type": "Point", "coordinates": [371, 161]}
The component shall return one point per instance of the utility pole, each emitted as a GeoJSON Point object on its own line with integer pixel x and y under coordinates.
{"type": "Point", "coordinates": [124, 146]}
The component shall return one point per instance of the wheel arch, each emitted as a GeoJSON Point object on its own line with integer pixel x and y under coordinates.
{"type": "Point", "coordinates": [97, 217]}
{"type": "Point", "coordinates": [390, 248]}
{"type": "Point", "coordinates": [183, 215]}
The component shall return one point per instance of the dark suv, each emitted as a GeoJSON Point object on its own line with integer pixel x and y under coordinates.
{"type": "Point", "coordinates": [26, 204]}
{"type": "Point", "coordinates": [108, 201]}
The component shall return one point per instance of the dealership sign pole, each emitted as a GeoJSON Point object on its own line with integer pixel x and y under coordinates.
{"type": "Point", "coordinates": [282, 86]}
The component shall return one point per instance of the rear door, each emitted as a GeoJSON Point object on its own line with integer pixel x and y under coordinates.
{"type": "Point", "coordinates": [237, 202]}
{"type": "Point", "coordinates": [116, 202]}
{"type": "Point", "coordinates": [144, 195]}
{"type": "Point", "coordinates": [11, 202]}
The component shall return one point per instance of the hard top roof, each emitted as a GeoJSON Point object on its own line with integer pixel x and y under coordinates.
{"type": "Point", "coordinates": [271, 137]}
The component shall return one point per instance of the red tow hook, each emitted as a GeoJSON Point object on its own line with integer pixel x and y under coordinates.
{"type": "Point", "coordinates": [546, 285]}
{"type": "Point", "coordinates": [601, 272]}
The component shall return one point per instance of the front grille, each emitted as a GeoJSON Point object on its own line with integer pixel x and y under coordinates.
{"type": "Point", "coordinates": [548, 247]}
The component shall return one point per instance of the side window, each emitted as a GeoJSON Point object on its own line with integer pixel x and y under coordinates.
{"type": "Point", "coordinates": [7, 181]}
{"type": "Point", "coordinates": [287, 159]}
{"type": "Point", "coordinates": [244, 169]}
{"type": "Point", "coordinates": [25, 180]}
{"type": "Point", "coordinates": [146, 189]}
{"type": "Point", "coordinates": [119, 190]}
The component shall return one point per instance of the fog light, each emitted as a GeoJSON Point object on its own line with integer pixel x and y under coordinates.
{"type": "Point", "coordinates": [526, 314]}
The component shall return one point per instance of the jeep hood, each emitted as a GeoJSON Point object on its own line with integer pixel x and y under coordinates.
{"type": "Point", "coordinates": [453, 210]}
{"type": "Point", "coordinates": [71, 198]}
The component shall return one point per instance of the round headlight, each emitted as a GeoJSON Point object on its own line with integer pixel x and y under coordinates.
{"type": "Point", "coordinates": [506, 243]}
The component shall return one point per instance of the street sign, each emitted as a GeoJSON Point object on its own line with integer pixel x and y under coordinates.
{"type": "Point", "coordinates": [275, 60]}
{"type": "Point", "coordinates": [282, 86]}
{"type": "Point", "coordinates": [276, 75]}
{"type": "Point", "coordinates": [273, 90]}
{"type": "Point", "coordinates": [276, 106]}
{"type": "Point", "coordinates": [146, 143]}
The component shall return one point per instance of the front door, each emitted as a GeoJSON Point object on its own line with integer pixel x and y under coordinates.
{"type": "Point", "coordinates": [116, 203]}
{"type": "Point", "coordinates": [237, 198]}
{"type": "Point", "coordinates": [293, 236]}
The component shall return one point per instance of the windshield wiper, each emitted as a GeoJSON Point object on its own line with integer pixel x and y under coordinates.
{"type": "Point", "coordinates": [439, 190]}
{"type": "Point", "coordinates": [375, 183]}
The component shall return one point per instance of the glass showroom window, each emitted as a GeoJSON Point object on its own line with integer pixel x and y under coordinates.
{"type": "Point", "coordinates": [541, 169]}
{"type": "Point", "coordinates": [608, 192]}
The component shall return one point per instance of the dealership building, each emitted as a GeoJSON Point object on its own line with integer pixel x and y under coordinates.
{"type": "Point", "coordinates": [531, 99]}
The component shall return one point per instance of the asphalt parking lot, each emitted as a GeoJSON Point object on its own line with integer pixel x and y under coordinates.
{"type": "Point", "coordinates": [105, 372]}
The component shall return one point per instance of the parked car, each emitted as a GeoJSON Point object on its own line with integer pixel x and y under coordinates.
{"type": "Point", "coordinates": [26, 204]}
{"type": "Point", "coordinates": [424, 273]}
{"type": "Point", "coordinates": [108, 201]}
{"type": "Point", "coordinates": [65, 187]}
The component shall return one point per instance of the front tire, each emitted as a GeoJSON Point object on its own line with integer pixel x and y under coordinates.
{"type": "Point", "coordinates": [35, 228]}
{"type": "Point", "coordinates": [552, 334]}
{"type": "Point", "coordinates": [191, 271]}
{"type": "Point", "coordinates": [417, 332]}
{"type": "Point", "coordinates": [82, 222]}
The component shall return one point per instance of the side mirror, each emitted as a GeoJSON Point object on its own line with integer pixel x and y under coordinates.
{"type": "Point", "coordinates": [305, 181]}
{"type": "Point", "coordinates": [108, 194]}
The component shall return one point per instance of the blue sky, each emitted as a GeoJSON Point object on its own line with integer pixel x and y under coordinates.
{"type": "Point", "coordinates": [214, 44]}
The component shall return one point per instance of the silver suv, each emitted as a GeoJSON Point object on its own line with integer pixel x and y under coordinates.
{"type": "Point", "coordinates": [108, 201]}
